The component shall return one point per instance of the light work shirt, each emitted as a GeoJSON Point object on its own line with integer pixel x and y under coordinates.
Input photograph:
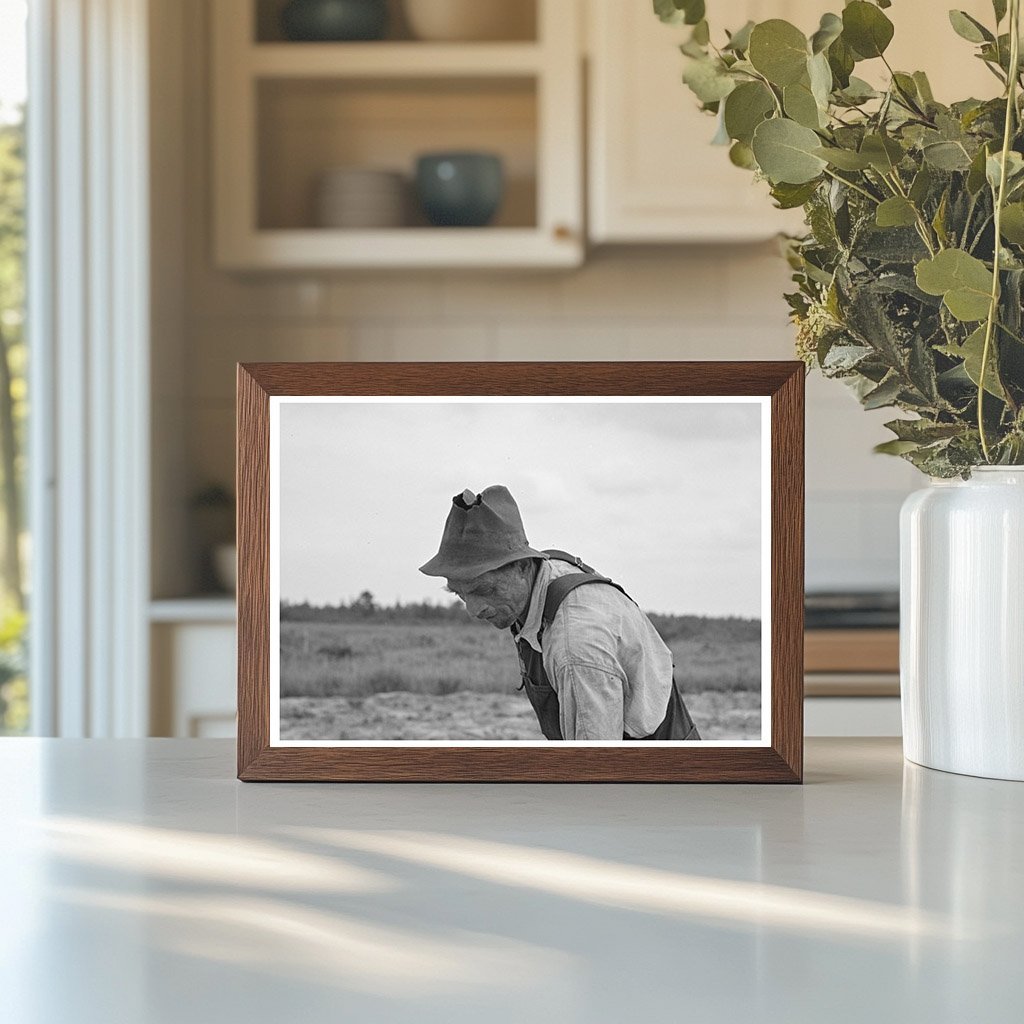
{"type": "Point", "coordinates": [603, 657]}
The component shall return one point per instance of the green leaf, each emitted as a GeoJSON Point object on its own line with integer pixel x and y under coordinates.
{"type": "Point", "coordinates": [921, 185]}
{"type": "Point", "coordinates": [885, 394]}
{"type": "Point", "coordinates": [676, 12]}
{"type": "Point", "coordinates": [721, 136]}
{"type": "Point", "coordinates": [694, 11]}
{"type": "Point", "coordinates": [785, 152]}
{"type": "Point", "coordinates": [668, 11]}
{"type": "Point", "coordinates": [1011, 226]}
{"type": "Point", "coordinates": [896, 212]}
{"type": "Point", "coordinates": [742, 155]}
{"type": "Point", "coordinates": [859, 91]}
{"type": "Point", "coordinates": [820, 76]}
{"type": "Point", "coordinates": [789, 197]}
{"type": "Point", "coordinates": [895, 447]}
{"type": "Point", "coordinates": [999, 7]}
{"type": "Point", "coordinates": [969, 28]}
{"type": "Point", "coordinates": [745, 108]}
{"type": "Point", "coordinates": [939, 220]}
{"type": "Point", "coordinates": [739, 41]}
{"type": "Point", "coordinates": [971, 352]}
{"type": "Point", "coordinates": [830, 28]}
{"type": "Point", "coordinates": [707, 80]}
{"type": "Point", "coordinates": [841, 60]}
{"type": "Point", "coordinates": [844, 159]}
{"type": "Point", "coordinates": [923, 431]}
{"type": "Point", "coordinates": [866, 29]}
{"type": "Point", "coordinates": [800, 105]}
{"type": "Point", "coordinates": [779, 51]}
{"type": "Point", "coordinates": [906, 88]}
{"type": "Point", "coordinates": [701, 33]}
{"type": "Point", "coordinates": [883, 153]}
{"type": "Point", "coordinates": [976, 174]}
{"type": "Point", "coordinates": [946, 156]}
{"type": "Point", "coordinates": [963, 281]}
{"type": "Point", "coordinates": [994, 167]}
{"type": "Point", "coordinates": [924, 88]}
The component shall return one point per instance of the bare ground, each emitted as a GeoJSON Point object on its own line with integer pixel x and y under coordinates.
{"type": "Point", "coordinates": [467, 715]}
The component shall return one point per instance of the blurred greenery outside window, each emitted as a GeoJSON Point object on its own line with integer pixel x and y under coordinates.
{"type": "Point", "coordinates": [14, 550]}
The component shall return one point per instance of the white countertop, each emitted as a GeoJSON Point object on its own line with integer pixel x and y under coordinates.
{"type": "Point", "coordinates": [143, 884]}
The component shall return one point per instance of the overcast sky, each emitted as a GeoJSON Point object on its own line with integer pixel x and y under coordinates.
{"type": "Point", "coordinates": [664, 498]}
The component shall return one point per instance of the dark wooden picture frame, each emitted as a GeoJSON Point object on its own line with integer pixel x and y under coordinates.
{"type": "Point", "coordinates": [781, 761]}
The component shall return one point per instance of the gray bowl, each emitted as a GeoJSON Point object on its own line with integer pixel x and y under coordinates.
{"type": "Point", "coordinates": [460, 189]}
{"type": "Point", "coordinates": [334, 20]}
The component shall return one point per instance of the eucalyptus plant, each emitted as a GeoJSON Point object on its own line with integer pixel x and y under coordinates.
{"type": "Point", "coordinates": [909, 280]}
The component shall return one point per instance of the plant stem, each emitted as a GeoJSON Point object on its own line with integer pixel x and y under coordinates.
{"type": "Point", "coordinates": [981, 231]}
{"type": "Point", "coordinates": [908, 101]}
{"type": "Point", "coordinates": [970, 215]}
{"type": "Point", "coordinates": [922, 225]}
{"type": "Point", "coordinates": [855, 187]}
{"type": "Point", "coordinates": [1012, 334]}
{"type": "Point", "coordinates": [993, 309]}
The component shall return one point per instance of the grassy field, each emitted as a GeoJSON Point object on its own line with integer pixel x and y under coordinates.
{"type": "Point", "coordinates": [458, 680]}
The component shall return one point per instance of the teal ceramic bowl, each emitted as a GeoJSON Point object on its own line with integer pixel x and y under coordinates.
{"type": "Point", "coordinates": [333, 21]}
{"type": "Point", "coordinates": [461, 190]}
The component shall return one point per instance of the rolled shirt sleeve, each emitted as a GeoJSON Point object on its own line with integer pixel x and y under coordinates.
{"type": "Point", "coordinates": [610, 669]}
{"type": "Point", "coordinates": [590, 701]}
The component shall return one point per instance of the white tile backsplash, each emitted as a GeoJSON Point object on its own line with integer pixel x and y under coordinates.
{"type": "Point", "coordinates": [719, 302]}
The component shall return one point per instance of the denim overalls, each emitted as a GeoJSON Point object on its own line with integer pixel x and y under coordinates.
{"type": "Point", "coordinates": [677, 723]}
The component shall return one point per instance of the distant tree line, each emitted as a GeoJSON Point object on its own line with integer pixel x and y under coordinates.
{"type": "Point", "coordinates": [365, 608]}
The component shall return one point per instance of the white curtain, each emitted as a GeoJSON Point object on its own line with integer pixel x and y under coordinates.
{"type": "Point", "coordinates": [88, 319]}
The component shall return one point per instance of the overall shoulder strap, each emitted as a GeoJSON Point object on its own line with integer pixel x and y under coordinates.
{"type": "Point", "coordinates": [564, 556]}
{"type": "Point", "coordinates": [560, 588]}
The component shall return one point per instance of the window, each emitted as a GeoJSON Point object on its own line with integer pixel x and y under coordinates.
{"type": "Point", "coordinates": [14, 704]}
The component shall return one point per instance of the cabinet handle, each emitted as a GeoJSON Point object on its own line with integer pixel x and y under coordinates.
{"type": "Point", "coordinates": [563, 232]}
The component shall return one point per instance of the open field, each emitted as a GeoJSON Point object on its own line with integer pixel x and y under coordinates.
{"type": "Point", "coordinates": [454, 680]}
{"type": "Point", "coordinates": [468, 715]}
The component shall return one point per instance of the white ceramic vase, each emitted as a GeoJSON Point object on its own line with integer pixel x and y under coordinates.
{"type": "Point", "coordinates": [962, 624]}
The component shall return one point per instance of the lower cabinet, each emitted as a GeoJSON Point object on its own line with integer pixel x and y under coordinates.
{"type": "Point", "coordinates": [852, 716]}
{"type": "Point", "coordinates": [193, 674]}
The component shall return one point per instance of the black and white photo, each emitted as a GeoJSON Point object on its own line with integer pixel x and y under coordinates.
{"type": "Point", "coordinates": [532, 570]}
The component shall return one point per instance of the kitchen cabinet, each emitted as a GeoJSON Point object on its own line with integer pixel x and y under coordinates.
{"type": "Point", "coordinates": [192, 650]}
{"type": "Point", "coordinates": [286, 113]}
{"type": "Point", "coordinates": [653, 175]}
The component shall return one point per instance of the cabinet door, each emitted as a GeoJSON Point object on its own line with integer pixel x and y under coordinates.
{"type": "Point", "coordinates": [653, 175]}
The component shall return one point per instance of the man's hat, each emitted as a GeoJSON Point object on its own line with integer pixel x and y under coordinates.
{"type": "Point", "coordinates": [483, 532]}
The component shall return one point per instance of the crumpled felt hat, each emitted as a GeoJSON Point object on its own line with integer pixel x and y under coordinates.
{"type": "Point", "coordinates": [483, 532]}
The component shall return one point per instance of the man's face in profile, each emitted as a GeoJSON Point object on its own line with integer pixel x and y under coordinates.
{"type": "Point", "coordinates": [498, 597]}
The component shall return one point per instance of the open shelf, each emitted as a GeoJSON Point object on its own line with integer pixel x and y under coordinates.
{"type": "Point", "coordinates": [287, 113]}
{"type": "Point", "coordinates": [520, 17]}
{"type": "Point", "coordinates": [306, 128]}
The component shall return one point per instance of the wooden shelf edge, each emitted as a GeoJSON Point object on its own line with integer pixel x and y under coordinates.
{"type": "Point", "coordinates": [852, 650]}
{"type": "Point", "coordinates": [200, 609]}
{"type": "Point", "coordinates": [392, 60]}
{"type": "Point", "coordinates": [313, 248]}
{"type": "Point", "coordinates": [851, 684]}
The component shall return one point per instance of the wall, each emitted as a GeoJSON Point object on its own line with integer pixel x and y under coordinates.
{"type": "Point", "coordinates": [720, 302]}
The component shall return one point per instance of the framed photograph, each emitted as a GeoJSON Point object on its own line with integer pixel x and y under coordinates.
{"type": "Point", "coordinates": [520, 572]}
